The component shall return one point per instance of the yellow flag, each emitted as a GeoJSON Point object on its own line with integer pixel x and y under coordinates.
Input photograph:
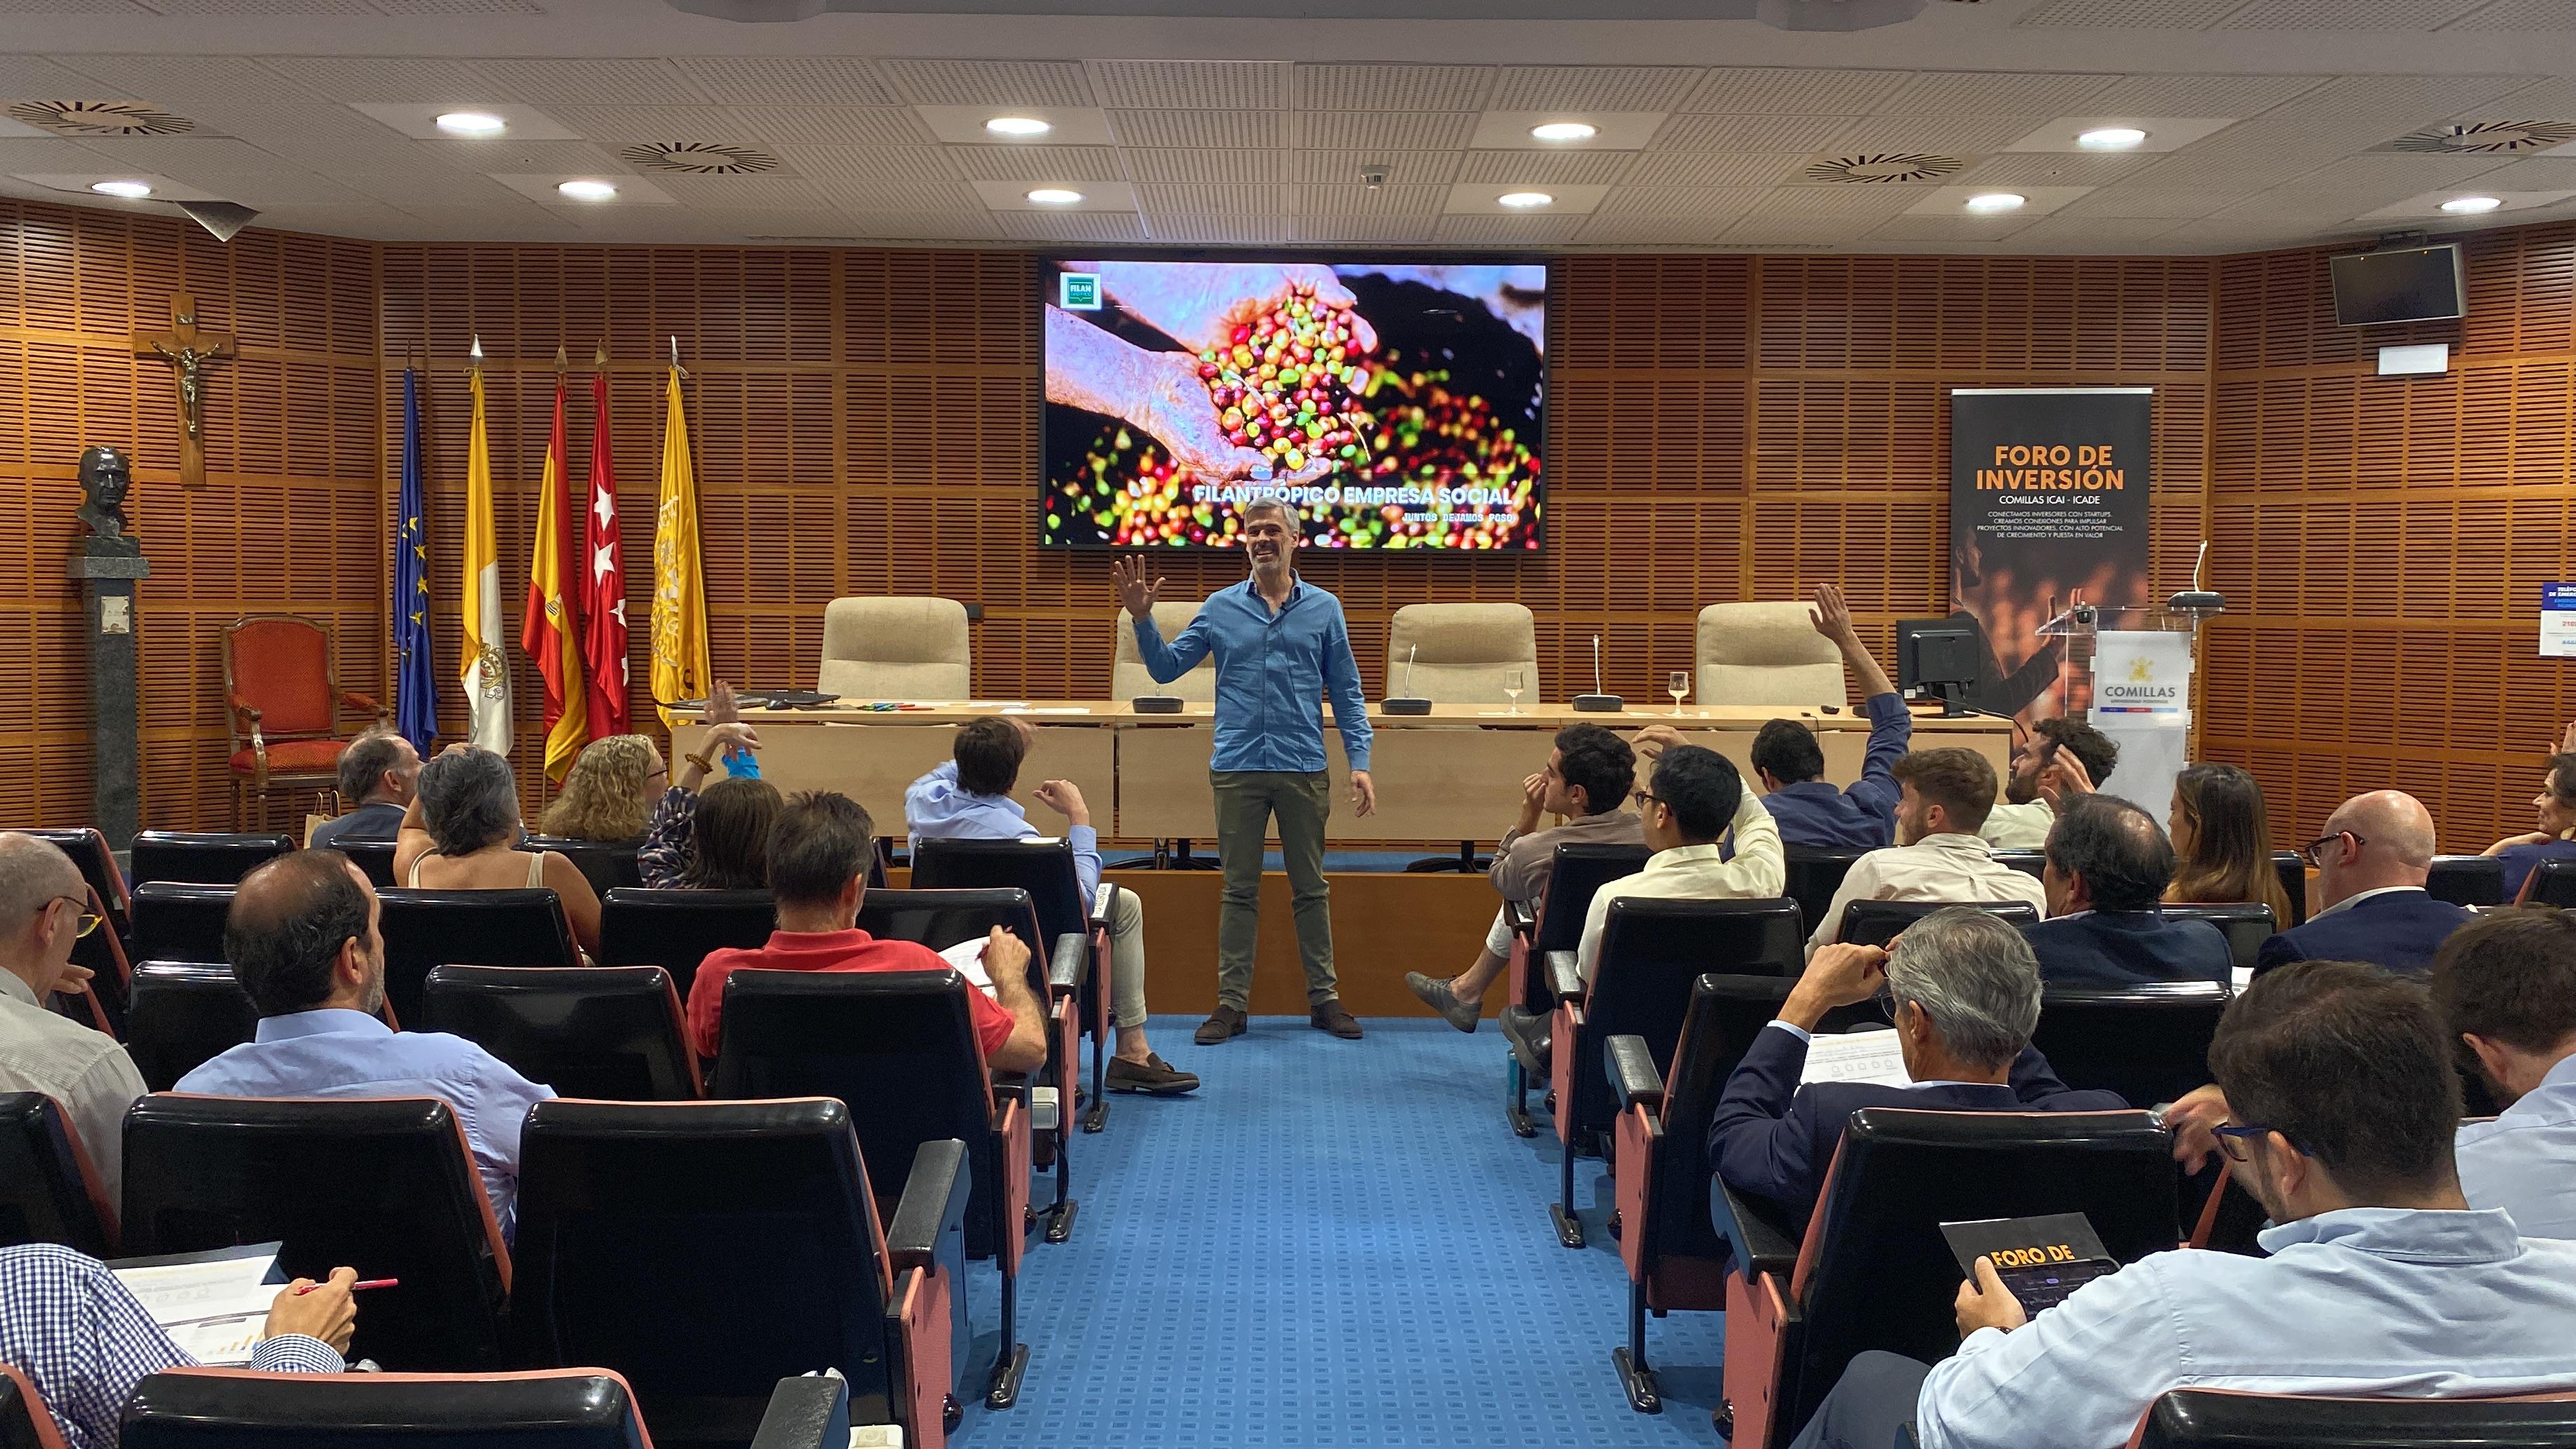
{"type": "Point", "coordinates": [680, 667]}
{"type": "Point", "coordinates": [487, 669]}
{"type": "Point", "coordinates": [551, 629]}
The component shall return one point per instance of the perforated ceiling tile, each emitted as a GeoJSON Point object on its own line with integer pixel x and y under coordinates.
{"type": "Point", "coordinates": [1199, 130]}
{"type": "Point", "coordinates": [215, 9]}
{"type": "Point", "coordinates": [2237, 174]}
{"type": "Point", "coordinates": [640, 81]}
{"type": "Point", "coordinates": [1608, 229]}
{"type": "Point", "coordinates": [2539, 173]}
{"type": "Point", "coordinates": [1083, 226]}
{"type": "Point", "coordinates": [25, 77]}
{"type": "Point", "coordinates": [1351, 199]}
{"type": "Point", "coordinates": [172, 155]}
{"type": "Point", "coordinates": [1193, 227]}
{"type": "Point", "coordinates": [2401, 172]}
{"type": "Point", "coordinates": [839, 125]}
{"type": "Point", "coordinates": [1782, 91]}
{"type": "Point", "coordinates": [937, 226]}
{"type": "Point", "coordinates": [2092, 233]}
{"type": "Point", "coordinates": [1775, 229]}
{"type": "Point", "coordinates": [1391, 130]}
{"type": "Point", "coordinates": [1704, 202]}
{"type": "Point", "coordinates": [22, 156]}
{"type": "Point", "coordinates": [2554, 98]}
{"type": "Point", "coordinates": [1597, 167]}
{"type": "Point", "coordinates": [2131, 14]}
{"type": "Point", "coordinates": [2200, 95]}
{"type": "Point", "coordinates": [2057, 168]}
{"type": "Point", "coordinates": [1146, 163]}
{"type": "Point", "coordinates": [1749, 133]}
{"type": "Point", "coordinates": [459, 7]}
{"type": "Point", "coordinates": [371, 78]}
{"type": "Point", "coordinates": [639, 123]}
{"type": "Point", "coordinates": [870, 163]}
{"type": "Point", "coordinates": [1951, 134]}
{"type": "Point", "coordinates": [71, 7]}
{"type": "Point", "coordinates": [917, 197]}
{"type": "Point", "coordinates": [171, 80]}
{"type": "Point", "coordinates": [2534, 15]}
{"type": "Point", "coordinates": [815, 80]}
{"type": "Point", "coordinates": [1903, 229]}
{"type": "Point", "coordinates": [1978, 93]}
{"type": "Point", "coordinates": [2398, 97]}
{"type": "Point", "coordinates": [1393, 87]}
{"type": "Point", "coordinates": [1040, 163]}
{"type": "Point", "coordinates": [1823, 201]}
{"type": "Point", "coordinates": [990, 82]}
{"type": "Point", "coordinates": [270, 189]}
{"type": "Point", "coordinates": [1403, 168]}
{"type": "Point", "coordinates": [1592, 87]}
{"type": "Point", "coordinates": [1213, 198]}
{"type": "Point", "coordinates": [2348, 14]}
{"type": "Point", "coordinates": [1506, 230]}
{"type": "Point", "coordinates": [769, 193]}
{"type": "Point", "coordinates": [1710, 168]}
{"type": "Point", "coordinates": [1191, 85]}
{"type": "Point", "coordinates": [1339, 227]}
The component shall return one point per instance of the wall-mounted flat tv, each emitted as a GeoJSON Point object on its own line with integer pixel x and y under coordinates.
{"type": "Point", "coordinates": [2400, 284]}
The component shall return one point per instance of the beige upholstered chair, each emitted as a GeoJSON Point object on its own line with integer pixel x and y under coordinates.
{"type": "Point", "coordinates": [902, 647]}
{"type": "Point", "coordinates": [1464, 651]}
{"type": "Point", "coordinates": [1766, 654]}
{"type": "Point", "coordinates": [1127, 676]}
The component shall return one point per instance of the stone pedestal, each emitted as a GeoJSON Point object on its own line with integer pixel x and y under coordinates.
{"type": "Point", "coordinates": [107, 604]}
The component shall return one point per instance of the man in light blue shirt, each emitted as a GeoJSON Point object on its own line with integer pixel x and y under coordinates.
{"type": "Point", "coordinates": [2381, 1279]}
{"type": "Point", "coordinates": [2506, 983]}
{"type": "Point", "coordinates": [1281, 646]}
{"type": "Point", "coordinates": [969, 798]}
{"type": "Point", "coordinates": [303, 942]}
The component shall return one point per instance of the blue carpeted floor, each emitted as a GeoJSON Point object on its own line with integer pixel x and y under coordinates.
{"type": "Point", "coordinates": [1331, 1244]}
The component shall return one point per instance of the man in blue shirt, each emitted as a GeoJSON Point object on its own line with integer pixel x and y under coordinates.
{"type": "Point", "coordinates": [2381, 1278]}
{"type": "Point", "coordinates": [1280, 646]}
{"type": "Point", "coordinates": [969, 798]}
{"type": "Point", "coordinates": [2506, 984]}
{"type": "Point", "coordinates": [303, 941]}
{"type": "Point", "coordinates": [1809, 810]}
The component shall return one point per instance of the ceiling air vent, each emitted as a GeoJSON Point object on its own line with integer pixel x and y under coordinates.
{"type": "Point", "coordinates": [100, 118]}
{"type": "Point", "coordinates": [2487, 138]}
{"type": "Point", "coordinates": [1881, 166]}
{"type": "Point", "coordinates": [699, 158]}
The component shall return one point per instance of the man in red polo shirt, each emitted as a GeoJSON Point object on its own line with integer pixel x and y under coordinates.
{"type": "Point", "coordinates": [819, 849]}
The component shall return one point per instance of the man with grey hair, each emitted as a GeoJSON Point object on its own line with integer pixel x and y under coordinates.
{"type": "Point", "coordinates": [1961, 987]}
{"type": "Point", "coordinates": [2372, 862]}
{"type": "Point", "coordinates": [377, 774]}
{"type": "Point", "coordinates": [1281, 647]}
{"type": "Point", "coordinates": [44, 908]}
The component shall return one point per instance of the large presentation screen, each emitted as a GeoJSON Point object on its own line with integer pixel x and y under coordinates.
{"type": "Point", "coordinates": [1399, 406]}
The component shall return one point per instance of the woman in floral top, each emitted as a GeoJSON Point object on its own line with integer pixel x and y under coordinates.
{"type": "Point", "coordinates": [719, 840]}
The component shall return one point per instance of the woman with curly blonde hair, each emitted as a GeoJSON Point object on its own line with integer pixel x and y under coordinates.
{"type": "Point", "coordinates": [610, 792]}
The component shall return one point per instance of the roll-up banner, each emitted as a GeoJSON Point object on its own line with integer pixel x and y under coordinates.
{"type": "Point", "coordinates": [2048, 510]}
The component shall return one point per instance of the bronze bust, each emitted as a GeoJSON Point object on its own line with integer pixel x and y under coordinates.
{"type": "Point", "coordinates": [105, 477]}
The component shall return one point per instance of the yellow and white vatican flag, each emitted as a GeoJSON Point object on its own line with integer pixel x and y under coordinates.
{"type": "Point", "coordinates": [680, 667]}
{"type": "Point", "coordinates": [487, 668]}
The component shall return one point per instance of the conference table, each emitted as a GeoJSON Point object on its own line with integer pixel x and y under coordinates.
{"type": "Point", "coordinates": [1443, 778]}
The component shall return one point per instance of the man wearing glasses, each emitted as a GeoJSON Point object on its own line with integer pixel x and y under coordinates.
{"type": "Point", "coordinates": [2372, 861]}
{"type": "Point", "coordinates": [1693, 810]}
{"type": "Point", "coordinates": [44, 908]}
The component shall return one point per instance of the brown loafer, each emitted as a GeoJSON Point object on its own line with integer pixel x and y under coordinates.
{"type": "Point", "coordinates": [1153, 1076]}
{"type": "Point", "coordinates": [1225, 1022]}
{"type": "Point", "coordinates": [1331, 1017]}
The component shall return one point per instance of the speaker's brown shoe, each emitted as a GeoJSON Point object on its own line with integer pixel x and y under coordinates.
{"type": "Point", "coordinates": [1225, 1022]}
{"type": "Point", "coordinates": [1330, 1017]}
{"type": "Point", "coordinates": [1153, 1075]}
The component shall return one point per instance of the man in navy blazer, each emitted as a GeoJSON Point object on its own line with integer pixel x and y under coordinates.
{"type": "Point", "coordinates": [1964, 992]}
{"type": "Point", "coordinates": [2108, 865]}
{"type": "Point", "coordinates": [2371, 866]}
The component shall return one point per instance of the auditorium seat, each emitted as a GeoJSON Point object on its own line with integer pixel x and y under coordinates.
{"type": "Point", "coordinates": [1127, 674]}
{"type": "Point", "coordinates": [373, 858]}
{"type": "Point", "coordinates": [2293, 873]}
{"type": "Point", "coordinates": [1574, 873]}
{"type": "Point", "coordinates": [207, 857]}
{"type": "Point", "coordinates": [1875, 923]}
{"type": "Point", "coordinates": [896, 647]}
{"type": "Point", "coordinates": [899, 1049]}
{"type": "Point", "coordinates": [180, 921]}
{"type": "Point", "coordinates": [205, 1408]}
{"type": "Point", "coordinates": [383, 1185]}
{"type": "Point", "coordinates": [1767, 654]}
{"type": "Point", "coordinates": [49, 1188]}
{"type": "Point", "coordinates": [2149, 1043]}
{"type": "Point", "coordinates": [2467, 880]}
{"type": "Point", "coordinates": [2246, 924]}
{"type": "Point", "coordinates": [89, 850]}
{"type": "Point", "coordinates": [1872, 1270]}
{"type": "Point", "coordinates": [1461, 653]}
{"type": "Point", "coordinates": [184, 1014]}
{"type": "Point", "coordinates": [611, 1032]}
{"type": "Point", "coordinates": [2553, 883]}
{"type": "Point", "coordinates": [2229, 1419]}
{"type": "Point", "coordinates": [676, 928]}
{"type": "Point", "coordinates": [1815, 874]}
{"type": "Point", "coordinates": [1067, 922]}
{"type": "Point", "coordinates": [2028, 862]}
{"type": "Point", "coordinates": [430, 928]}
{"type": "Point", "coordinates": [607, 865]}
{"type": "Point", "coordinates": [706, 1250]}
{"type": "Point", "coordinates": [1652, 950]}
{"type": "Point", "coordinates": [25, 1422]}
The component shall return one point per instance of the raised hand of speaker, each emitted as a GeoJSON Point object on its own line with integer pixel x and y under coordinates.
{"type": "Point", "coordinates": [1134, 593]}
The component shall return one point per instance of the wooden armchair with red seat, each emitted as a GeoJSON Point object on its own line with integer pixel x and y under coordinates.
{"type": "Point", "coordinates": [283, 706]}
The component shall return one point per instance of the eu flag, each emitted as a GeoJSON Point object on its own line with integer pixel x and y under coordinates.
{"type": "Point", "coordinates": [416, 681]}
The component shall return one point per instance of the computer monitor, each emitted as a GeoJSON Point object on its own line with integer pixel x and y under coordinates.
{"type": "Point", "coordinates": [1939, 656]}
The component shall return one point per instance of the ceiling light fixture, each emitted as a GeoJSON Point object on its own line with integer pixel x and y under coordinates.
{"type": "Point", "coordinates": [2111, 138]}
{"type": "Point", "coordinates": [1565, 131]}
{"type": "Point", "coordinates": [1994, 201]}
{"type": "Point", "coordinates": [130, 190]}
{"type": "Point", "coordinates": [2471, 205]}
{"type": "Point", "coordinates": [1017, 126]}
{"type": "Point", "coordinates": [1055, 196]}
{"type": "Point", "coordinates": [472, 123]}
{"type": "Point", "coordinates": [587, 190]}
{"type": "Point", "coordinates": [1525, 200]}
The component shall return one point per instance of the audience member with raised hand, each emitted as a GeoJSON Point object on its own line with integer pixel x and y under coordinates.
{"type": "Point", "coordinates": [1938, 855]}
{"type": "Point", "coordinates": [2108, 866]}
{"type": "Point", "coordinates": [84, 1341]}
{"type": "Point", "coordinates": [2380, 1279]}
{"type": "Point", "coordinates": [969, 798]}
{"type": "Point", "coordinates": [819, 854]}
{"type": "Point", "coordinates": [609, 794]}
{"type": "Point", "coordinates": [377, 772]}
{"type": "Point", "coordinates": [1809, 810]}
{"type": "Point", "coordinates": [1711, 838]}
{"type": "Point", "coordinates": [2086, 758]}
{"type": "Point", "coordinates": [1585, 782]}
{"type": "Point", "coordinates": [303, 941]}
{"type": "Point", "coordinates": [462, 831]}
{"type": "Point", "coordinates": [1963, 992]}
{"type": "Point", "coordinates": [715, 837]}
{"type": "Point", "coordinates": [43, 910]}
{"type": "Point", "coordinates": [2372, 862]}
{"type": "Point", "coordinates": [2554, 811]}
{"type": "Point", "coordinates": [2222, 840]}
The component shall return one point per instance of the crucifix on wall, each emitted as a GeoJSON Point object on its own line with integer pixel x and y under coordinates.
{"type": "Point", "coordinates": [188, 352]}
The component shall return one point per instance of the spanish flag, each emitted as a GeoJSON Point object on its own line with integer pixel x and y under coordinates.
{"type": "Point", "coordinates": [680, 667]}
{"type": "Point", "coordinates": [487, 670]}
{"type": "Point", "coordinates": [551, 632]}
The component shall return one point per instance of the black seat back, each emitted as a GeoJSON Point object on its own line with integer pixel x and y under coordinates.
{"type": "Point", "coordinates": [2293, 873]}
{"type": "Point", "coordinates": [2467, 880]}
{"type": "Point", "coordinates": [2149, 1043]}
{"type": "Point", "coordinates": [2028, 862]}
{"type": "Point", "coordinates": [704, 1251]}
{"type": "Point", "coordinates": [1043, 868]}
{"type": "Point", "coordinates": [384, 1185]}
{"type": "Point", "coordinates": [1652, 950]}
{"type": "Point", "coordinates": [2224, 1419]}
{"type": "Point", "coordinates": [209, 857]}
{"type": "Point", "coordinates": [373, 858]}
{"type": "Point", "coordinates": [610, 1032]}
{"type": "Point", "coordinates": [180, 921]}
{"type": "Point", "coordinates": [675, 929]}
{"type": "Point", "coordinates": [184, 1014]}
{"type": "Point", "coordinates": [25, 1422]}
{"type": "Point", "coordinates": [2553, 883]}
{"type": "Point", "coordinates": [606, 864]}
{"type": "Point", "coordinates": [89, 850]}
{"type": "Point", "coordinates": [1575, 873]}
{"type": "Point", "coordinates": [216, 1409]}
{"type": "Point", "coordinates": [1814, 876]}
{"type": "Point", "coordinates": [1875, 923]}
{"type": "Point", "coordinates": [941, 919]}
{"type": "Point", "coordinates": [425, 929]}
{"type": "Point", "coordinates": [2245, 924]}
{"type": "Point", "coordinates": [49, 1192]}
{"type": "Point", "coordinates": [1876, 1272]}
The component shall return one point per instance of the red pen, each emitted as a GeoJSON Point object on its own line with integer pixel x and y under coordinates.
{"type": "Point", "coordinates": [361, 1284]}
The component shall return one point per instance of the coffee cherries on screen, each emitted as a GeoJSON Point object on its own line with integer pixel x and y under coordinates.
{"type": "Point", "coordinates": [1286, 384]}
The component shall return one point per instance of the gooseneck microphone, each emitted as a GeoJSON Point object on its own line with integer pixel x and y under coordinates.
{"type": "Point", "coordinates": [1597, 702]}
{"type": "Point", "coordinates": [1406, 703]}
